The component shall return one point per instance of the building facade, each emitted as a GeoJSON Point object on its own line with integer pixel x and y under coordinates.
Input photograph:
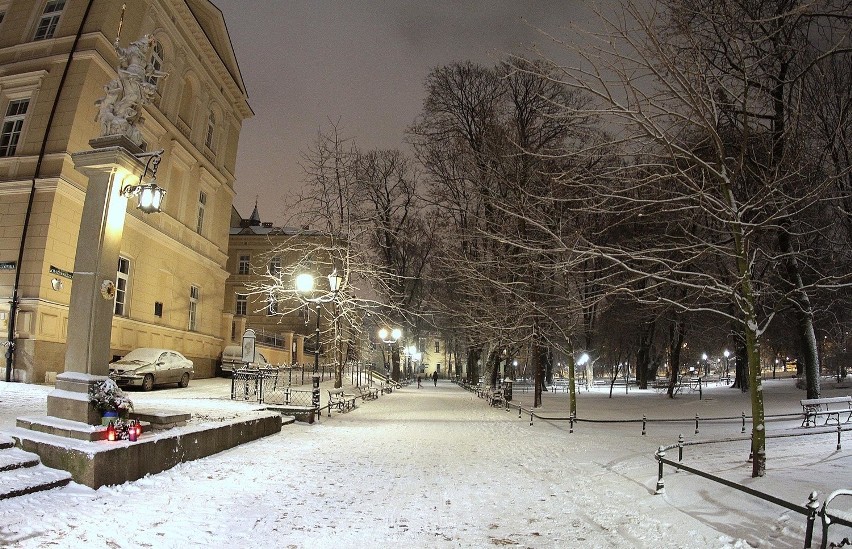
{"type": "Point", "coordinates": [258, 253]}
{"type": "Point", "coordinates": [56, 56]}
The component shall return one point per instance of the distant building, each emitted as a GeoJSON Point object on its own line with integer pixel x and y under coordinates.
{"type": "Point", "coordinates": [172, 271]}
{"type": "Point", "coordinates": [256, 250]}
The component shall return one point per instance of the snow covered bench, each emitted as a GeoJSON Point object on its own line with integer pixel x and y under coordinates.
{"type": "Point", "coordinates": [830, 407]}
{"type": "Point", "coordinates": [340, 400]}
{"type": "Point", "coordinates": [495, 397]}
{"type": "Point", "coordinates": [367, 393]}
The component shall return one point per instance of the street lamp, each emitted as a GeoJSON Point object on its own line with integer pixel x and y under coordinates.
{"type": "Point", "coordinates": [390, 337]}
{"type": "Point", "coordinates": [704, 359]}
{"type": "Point", "coordinates": [150, 195]}
{"type": "Point", "coordinates": [409, 353]}
{"type": "Point", "coordinates": [727, 368]}
{"type": "Point", "coordinates": [305, 287]}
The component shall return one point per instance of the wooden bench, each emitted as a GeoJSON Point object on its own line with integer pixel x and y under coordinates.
{"type": "Point", "coordinates": [495, 397]}
{"type": "Point", "coordinates": [340, 400]}
{"type": "Point", "coordinates": [367, 393]}
{"type": "Point", "coordinates": [830, 407]}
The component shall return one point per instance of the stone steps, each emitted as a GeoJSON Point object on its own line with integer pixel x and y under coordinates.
{"type": "Point", "coordinates": [22, 472]}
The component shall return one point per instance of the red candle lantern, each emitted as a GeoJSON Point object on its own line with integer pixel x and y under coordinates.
{"type": "Point", "coordinates": [131, 431]}
{"type": "Point", "coordinates": [110, 431]}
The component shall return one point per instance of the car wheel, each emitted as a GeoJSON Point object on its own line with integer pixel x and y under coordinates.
{"type": "Point", "coordinates": [184, 380]}
{"type": "Point", "coordinates": [148, 382]}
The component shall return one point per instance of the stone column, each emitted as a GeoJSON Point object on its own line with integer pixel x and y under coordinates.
{"type": "Point", "coordinates": [87, 357]}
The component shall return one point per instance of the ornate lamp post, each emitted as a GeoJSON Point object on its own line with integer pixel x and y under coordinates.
{"type": "Point", "coordinates": [390, 337]}
{"type": "Point", "coordinates": [305, 288]}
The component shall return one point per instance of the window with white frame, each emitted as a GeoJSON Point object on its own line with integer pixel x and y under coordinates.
{"type": "Point", "coordinates": [16, 113]}
{"type": "Point", "coordinates": [242, 305]}
{"type": "Point", "coordinates": [275, 266]}
{"type": "Point", "coordinates": [194, 299]}
{"type": "Point", "coordinates": [437, 346]}
{"type": "Point", "coordinates": [202, 204]}
{"type": "Point", "coordinates": [156, 61]}
{"type": "Point", "coordinates": [46, 27]}
{"type": "Point", "coordinates": [244, 265]}
{"type": "Point", "coordinates": [211, 127]}
{"type": "Point", "coordinates": [122, 285]}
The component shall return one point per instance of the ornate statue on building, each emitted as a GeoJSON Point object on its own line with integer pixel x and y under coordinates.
{"type": "Point", "coordinates": [119, 109]}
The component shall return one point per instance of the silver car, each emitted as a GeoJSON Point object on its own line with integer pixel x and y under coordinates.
{"type": "Point", "coordinates": [147, 367]}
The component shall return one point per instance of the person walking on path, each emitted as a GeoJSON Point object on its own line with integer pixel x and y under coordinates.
{"type": "Point", "coordinates": [418, 382]}
{"type": "Point", "coordinates": [435, 377]}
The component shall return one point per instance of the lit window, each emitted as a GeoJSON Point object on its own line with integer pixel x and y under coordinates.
{"type": "Point", "coordinates": [194, 298]}
{"type": "Point", "coordinates": [211, 126]}
{"type": "Point", "coordinates": [156, 63]}
{"type": "Point", "coordinates": [49, 20]}
{"type": "Point", "coordinates": [242, 304]}
{"type": "Point", "coordinates": [16, 112]}
{"type": "Point", "coordinates": [122, 279]}
{"type": "Point", "coordinates": [202, 203]}
{"type": "Point", "coordinates": [243, 267]}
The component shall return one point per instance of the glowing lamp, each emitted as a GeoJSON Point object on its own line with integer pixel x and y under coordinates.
{"type": "Point", "coordinates": [131, 432]}
{"type": "Point", "coordinates": [138, 429]}
{"type": "Point", "coordinates": [111, 431]}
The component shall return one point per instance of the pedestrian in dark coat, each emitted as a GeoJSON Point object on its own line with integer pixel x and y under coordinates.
{"type": "Point", "coordinates": [435, 377]}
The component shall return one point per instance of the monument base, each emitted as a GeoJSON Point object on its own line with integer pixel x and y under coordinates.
{"type": "Point", "coordinates": [70, 399]}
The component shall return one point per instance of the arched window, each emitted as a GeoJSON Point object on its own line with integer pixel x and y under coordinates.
{"type": "Point", "coordinates": [211, 127]}
{"type": "Point", "coordinates": [157, 58]}
{"type": "Point", "coordinates": [187, 100]}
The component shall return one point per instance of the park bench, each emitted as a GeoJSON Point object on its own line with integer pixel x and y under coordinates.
{"type": "Point", "coordinates": [367, 393]}
{"type": "Point", "coordinates": [830, 407]}
{"type": "Point", "coordinates": [340, 400]}
{"type": "Point", "coordinates": [495, 397]}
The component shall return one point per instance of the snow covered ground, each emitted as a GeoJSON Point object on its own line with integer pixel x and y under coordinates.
{"type": "Point", "coordinates": [436, 467]}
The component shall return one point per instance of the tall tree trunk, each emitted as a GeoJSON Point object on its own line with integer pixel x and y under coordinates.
{"type": "Point", "coordinates": [643, 354]}
{"type": "Point", "coordinates": [572, 386]}
{"type": "Point", "coordinates": [473, 354]}
{"type": "Point", "coordinates": [395, 362]}
{"type": "Point", "coordinates": [804, 316]}
{"type": "Point", "coordinates": [538, 368]}
{"type": "Point", "coordinates": [677, 332]}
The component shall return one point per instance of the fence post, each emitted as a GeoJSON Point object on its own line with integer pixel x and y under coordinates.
{"type": "Point", "coordinates": [813, 506]}
{"type": "Point", "coordinates": [680, 448]}
{"type": "Point", "coordinates": [571, 418]}
{"type": "Point", "coordinates": [661, 486]}
{"type": "Point", "coordinates": [643, 424]}
{"type": "Point", "coordinates": [743, 431]}
{"type": "Point", "coordinates": [696, 424]}
{"type": "Point", "coordinates": [531, 416]}
{"type": "Point", "coordinates": [838, 432]}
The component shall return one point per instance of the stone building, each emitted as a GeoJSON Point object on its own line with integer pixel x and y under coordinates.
{"type": "Point", "coordinates": [256, 250]}
{"type": "Point", "coordinates": [56, 56]}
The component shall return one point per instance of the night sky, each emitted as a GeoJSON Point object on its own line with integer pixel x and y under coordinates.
{"type": "Point", "coordinates": [364, 62]}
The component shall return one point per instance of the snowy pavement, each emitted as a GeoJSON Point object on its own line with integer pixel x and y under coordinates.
{"type": "Point", "coordinates": [436, 467]}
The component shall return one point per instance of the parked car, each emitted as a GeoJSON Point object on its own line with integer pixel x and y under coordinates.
{"type": "Point", "coordinates": [232, 359]}
{"type": "Point", "coordinates": [146, 367]}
